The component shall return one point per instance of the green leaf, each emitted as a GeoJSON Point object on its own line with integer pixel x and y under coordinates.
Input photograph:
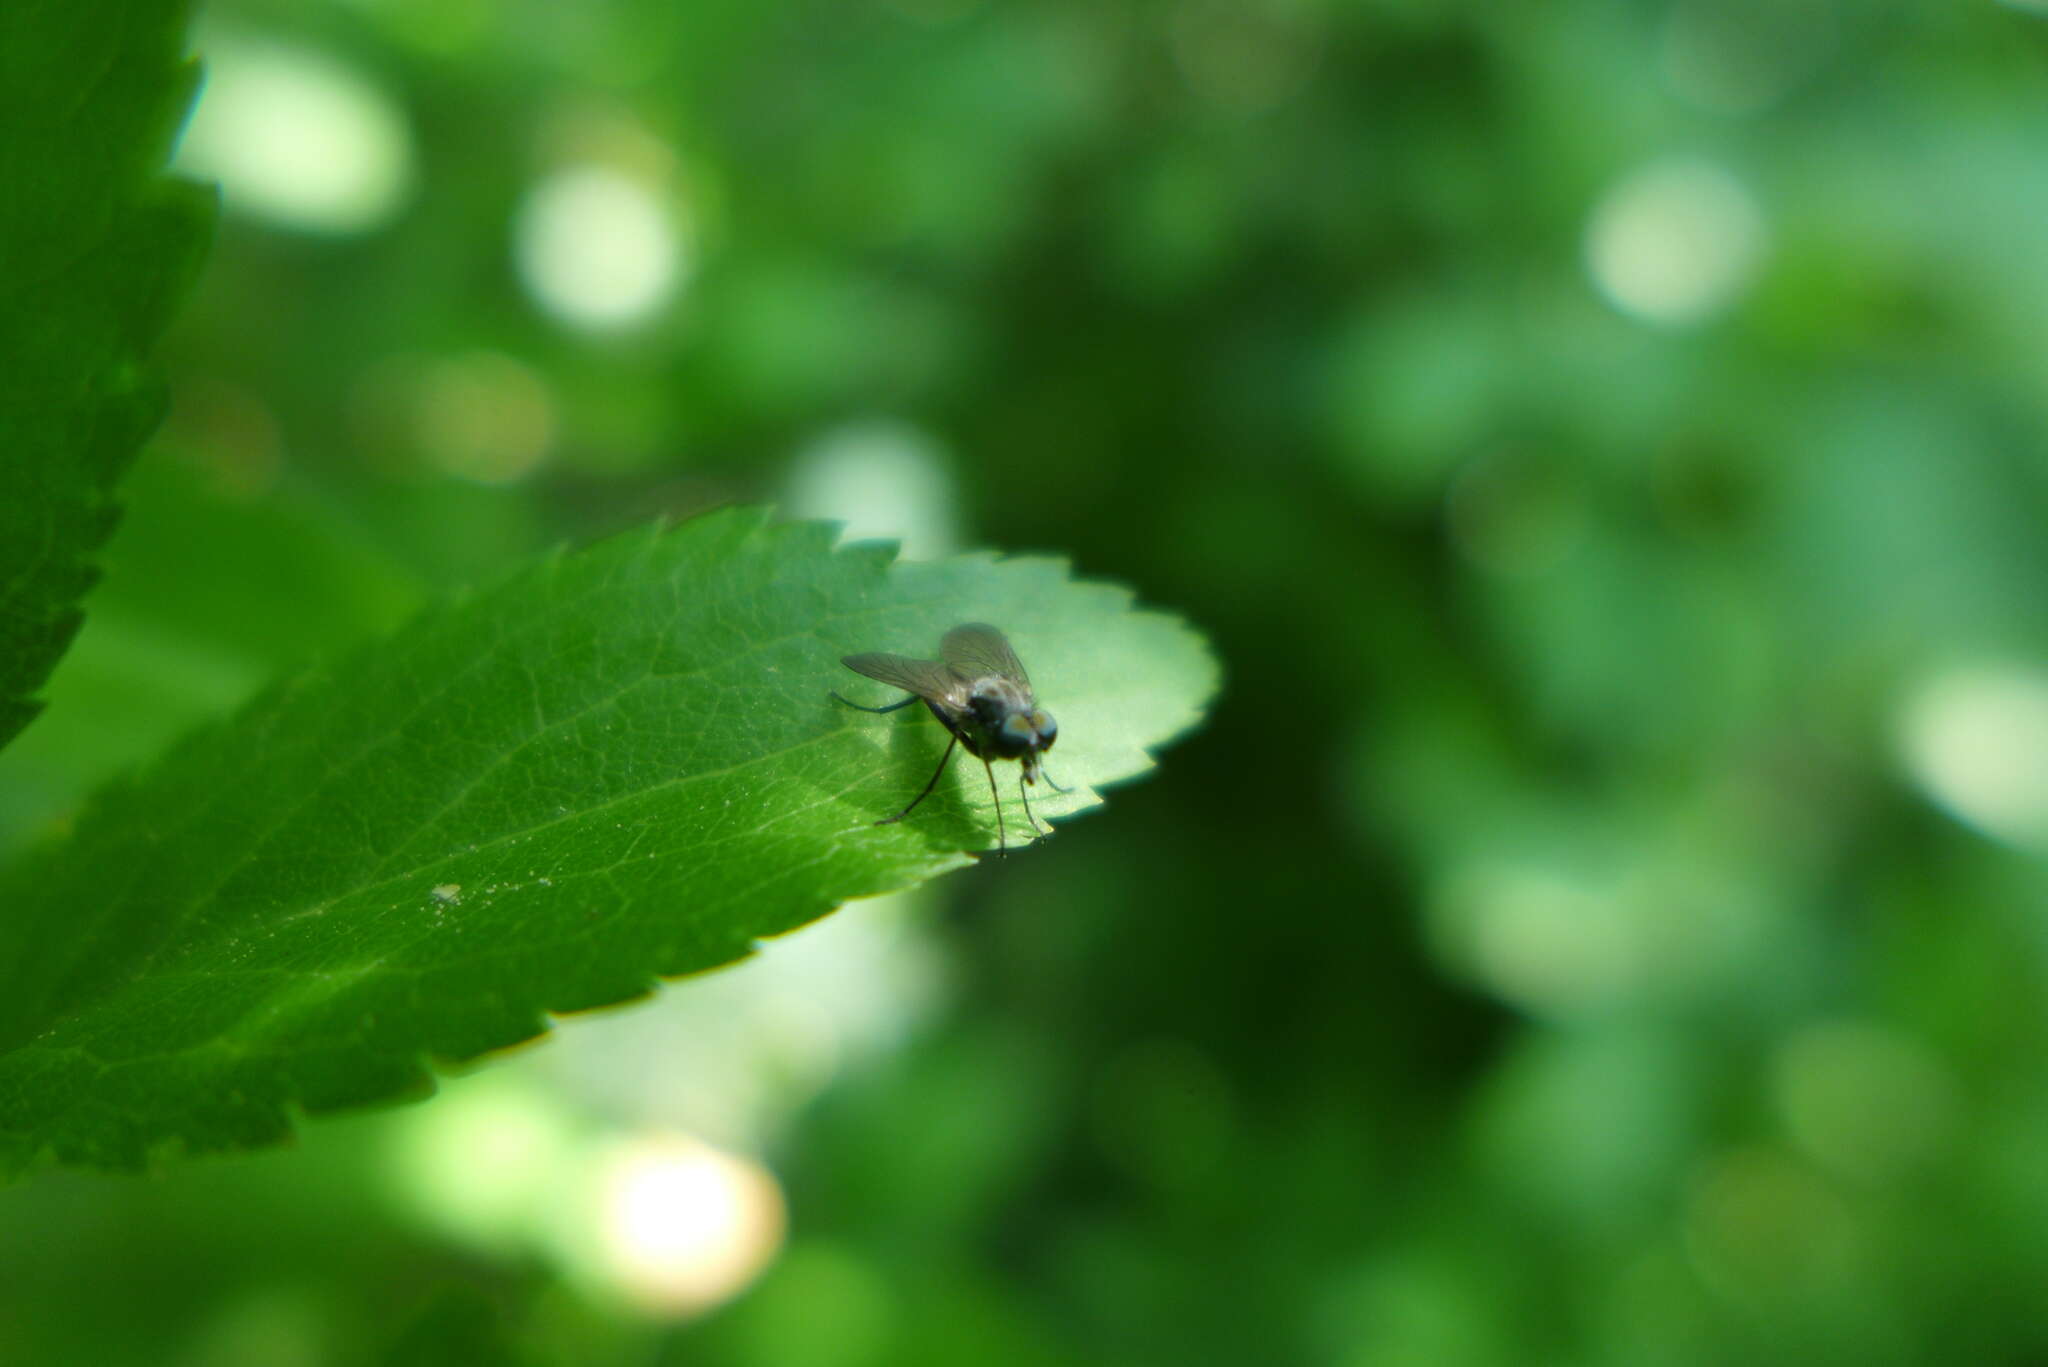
{"type": "Point", "coordinates": [621, 765]}
{"type": "Point", "coordinates": [209, 594]}
{"type": "Point", "coordinates": [96, 245]}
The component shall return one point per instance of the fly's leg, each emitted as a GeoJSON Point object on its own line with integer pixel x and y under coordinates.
{"type": "Point", "coordinates": [931, 784]}
{"type": "Point", "coordinates": [1002, 839]}
{"type": "Point", "coordinates": [1021, 792]}
{"type": "Point", "coordinates": [860, 708]}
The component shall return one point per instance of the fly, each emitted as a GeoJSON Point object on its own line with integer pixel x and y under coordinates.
{"type": "Point", "coordinates": [978, 690]}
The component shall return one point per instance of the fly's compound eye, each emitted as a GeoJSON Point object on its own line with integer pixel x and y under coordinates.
{"type": "Point", "coordinates": [1014, 737]}
{"type": "Point", "coordinates": [1048, 729]}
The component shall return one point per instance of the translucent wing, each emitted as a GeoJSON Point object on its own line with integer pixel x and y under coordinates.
{"type": "Point", "coordinates": [977, 650]}
{"type": "Point", "coordinates": [926, 678]}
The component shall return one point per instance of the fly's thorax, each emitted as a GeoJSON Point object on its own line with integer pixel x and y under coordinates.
{"type": "Point", "coordinates": [993, 701]}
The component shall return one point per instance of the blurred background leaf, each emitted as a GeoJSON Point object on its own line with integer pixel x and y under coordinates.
{"type": "Point", "coordinates": [96, 245]}
{"type": "Point", "coordinates": [1605, 441]}
{"type": "Point", "coordinates": [460, 1325]}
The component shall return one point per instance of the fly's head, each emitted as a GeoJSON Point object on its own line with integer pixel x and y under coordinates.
{"type": "Point", "coordinates": [1024, 735]}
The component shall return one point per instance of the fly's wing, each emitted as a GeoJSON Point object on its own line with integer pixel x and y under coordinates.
{"type": "Point", "coordinates": [926, 678]}
{"type": "Point", "coordinates": [977, 650]}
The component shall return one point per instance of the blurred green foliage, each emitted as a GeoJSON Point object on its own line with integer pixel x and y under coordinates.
{"type": "Point", "coordinates": [1603, 922]}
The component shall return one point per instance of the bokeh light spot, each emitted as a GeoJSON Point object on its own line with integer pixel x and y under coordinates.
{"type": "Point", "coordinates": [1976, 741]}
{"type": "Point", "coordinates": [680, 1226]}
{"type": "Point", "coordinates": [1866, 1101]}
{"type": "Point", "coordinates": [1540, 937]}
{"type": "Point", "coordinates": [298, 138]}
{"type": "Point", "coordinates": [598, 248]}
{"type": "Point", "coordinates": [483, 416]}
{"type": "Point", "coordinates": [1676, 242]}
{"type": "Point", "coordinates": [1548, 1129]}
{"type": "Point", "coordinates": [883, 479]}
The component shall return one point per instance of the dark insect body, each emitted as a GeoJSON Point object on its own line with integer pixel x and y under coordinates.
{"type": "Point", "coordinates": [978, 690]}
